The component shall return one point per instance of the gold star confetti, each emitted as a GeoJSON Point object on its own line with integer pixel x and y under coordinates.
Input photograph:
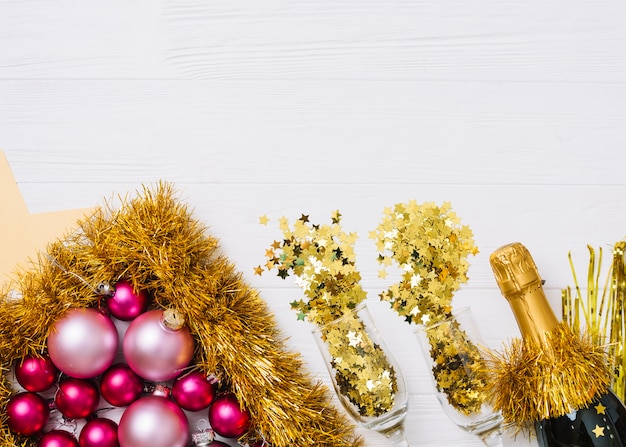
{"type": "Point", "coordinates": [600, 409]}
{"type": "Point", "coordinates": [263, 220]}
{"type": "Point", "coordinates": [429, 244]}
{"type": "Point", "coordinates": [598, 431]}
{"type": "Point", "coordinates": [258, 270]}
{"type": "Point", "coordinates": [425, 241]}
{"type": "Point", "coordinates": [321, 257]}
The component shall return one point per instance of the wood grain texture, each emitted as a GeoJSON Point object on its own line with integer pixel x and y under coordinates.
{"type": "Point", "coordinates": [514, 111]}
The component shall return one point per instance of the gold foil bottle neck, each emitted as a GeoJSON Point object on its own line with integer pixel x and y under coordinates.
{"type": "Point", "coordinates": [514, 269]}
{"type": "Point", "coordinates": [518, 278]}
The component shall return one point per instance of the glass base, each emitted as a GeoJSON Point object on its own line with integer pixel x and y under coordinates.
{"type": "Point", "coordinates": [388, 422]}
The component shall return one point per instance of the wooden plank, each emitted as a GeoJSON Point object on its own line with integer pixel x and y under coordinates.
{"type": "Point", "coordinates": [374, 40]}
{"type": "Point", "coordinates": [315, 133]}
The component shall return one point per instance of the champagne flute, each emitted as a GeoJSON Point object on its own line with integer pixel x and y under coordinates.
{"type": "Point", "coordinates": [367, 379]}
{"type": "Point", "coordinates": [452, 349]}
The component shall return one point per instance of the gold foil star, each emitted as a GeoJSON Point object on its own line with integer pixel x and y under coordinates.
{"type": "Point", "coordinates": [598, 431]}
{"type": "Point", "coordinates": [258, 270]}
{"type": "Point", "coordinates": [23, 234]}
{"type": "Point", "coordinates": [263, 220]}
{"type": "Point", "coordinates": [600, 409]}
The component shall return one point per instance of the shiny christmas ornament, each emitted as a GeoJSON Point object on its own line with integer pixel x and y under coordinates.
{"type": "Point", "coordinates": [154, 421]}
{"type": "Point", "coordinates": [157, 345]}
{"type": "Point", "coordinates": [77, 398]}
{"type": "Point", "coordinates": [125, 304]}
{"type": "Point", "coordinates": [99, 432]}
{"type": "Point", "coordinates": [227, 417]}
{"type": "Point", "coordinates": [27, 413]}
{"type": "Point", "coordinates": [193, 391]}
{"type": "Point", "coordinates": [83, 343]}
{"type": "Point", "coordinates": [36, 373]}
{"type": "Point", "coordinates": [120, 385]}
{"type": "Point", "coordinates": [57, 438]}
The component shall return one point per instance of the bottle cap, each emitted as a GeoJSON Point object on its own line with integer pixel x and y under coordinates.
{"type": "Point", "coordinates": [514, 269]}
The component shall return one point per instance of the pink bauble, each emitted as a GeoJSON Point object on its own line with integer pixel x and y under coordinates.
{"type": "Point", "coordinates": [57, 438]}
{"type": "Point", "coordinates": [120, 385]}
{"type": "Point", "coordinates": [27, 413]}
{"type": "Point", "coordinates": [83, 343]}
{"type": "Point", "coordinates": [36, 373]}
{"type": "Point", "coordinates": [155, 351]}
{"type": "Point", "coordinates": [125, 304]}
{"type": "Point", "coordinates": [77, 398]}
{"type": "Point", "coordinates": [153, 421]}
{"type": "Point", "coordinates": [99, 432]}
{"type": "Point", "coordinates": [193, 391]}
{"type": "Point", "coordinates": [227, 417]}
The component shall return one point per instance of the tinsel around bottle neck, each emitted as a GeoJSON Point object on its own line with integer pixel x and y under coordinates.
{"type": "Point", "coordinates": [532, 380]}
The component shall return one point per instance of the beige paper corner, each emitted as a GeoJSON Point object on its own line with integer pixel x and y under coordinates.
{"type": "Point", "coordinates": [23, 235]}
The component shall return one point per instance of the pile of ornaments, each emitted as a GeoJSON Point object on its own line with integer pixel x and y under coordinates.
{"type": "Point", "coordinates": [149, 381]}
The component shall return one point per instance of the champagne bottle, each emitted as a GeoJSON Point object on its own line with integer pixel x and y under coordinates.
{"type": "Point", "coordinates": [553, 380]}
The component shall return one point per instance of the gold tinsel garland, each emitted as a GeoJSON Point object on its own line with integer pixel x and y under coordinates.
{"type": "Point", "coordinates": [532, 381]}
{"type": "Point", "coordinates": [155, 242]}
{"type": "Point", "coordinates": [602, 311]}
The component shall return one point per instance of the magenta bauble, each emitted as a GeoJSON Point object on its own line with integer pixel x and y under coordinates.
{"type": "Point", "coordinates": [120, 385]}
{"type": "Point", "coordinates": [57, 438]}
{"type": "Point", "coordinates": [193, 391]}
{"type": "Point", "coordinates": [153, 421]}
{"type": "Point", "coordinates": [83, 343]}
{"type": "Point", "coordinates": [227, 417]}
{"type": "Point", "coordinates": [99, 432]}
{"type": "Point", "coordinates": [27, 413]}
{"type": "Point", "coordinates": [126, 304]}
{"type": "Point", "coordinates": [36, 373]}
{"type": "Point", "coordinates": [155, 351]}
{"type": "Point", "coordinates": [77, 398]}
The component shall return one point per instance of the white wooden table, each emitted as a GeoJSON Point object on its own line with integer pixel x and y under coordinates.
{"type": "Point", "coordinates": [514, 111]}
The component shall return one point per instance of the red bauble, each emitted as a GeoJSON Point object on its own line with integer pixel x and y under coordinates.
{"type": "Point", "coordinates": [99, 432]}
{"type": "Point", "coordinates": [77, 398]}
{"type": "Point", "coordinates": [125, 304]}
{"type": "Point", "coordinates": [227, 417]}
{"type": "Point", "coordinates": [27, 413]}
{"type": "Point", "coordinates": [193, 391]}
{"type": "Point", "coordinates": [154, 350]}
{"type": "Point", "coordinates": [36, 373]}
{"type": "Point", "coordinates": [120, 385]}
{"type": "Point", "coordinates": [57, 438]}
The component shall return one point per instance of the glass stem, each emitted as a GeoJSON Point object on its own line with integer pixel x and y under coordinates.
{"type": "Point", "coordinates": [492, 438]}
